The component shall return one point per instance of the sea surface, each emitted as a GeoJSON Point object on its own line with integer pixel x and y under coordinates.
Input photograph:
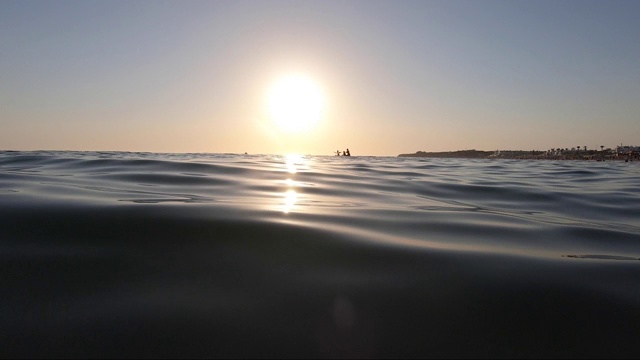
{"type": "Point", "coordinates": [117, 254]}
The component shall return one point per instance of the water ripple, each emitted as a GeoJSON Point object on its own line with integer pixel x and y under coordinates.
{"type": "Point", "coordinates": [129, 254]}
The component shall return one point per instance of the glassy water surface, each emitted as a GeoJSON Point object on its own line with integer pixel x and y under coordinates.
{"type": "Point", "coordinates": [144, 254]}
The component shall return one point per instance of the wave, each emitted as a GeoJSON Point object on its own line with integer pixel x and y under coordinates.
{"type": "Point", "coordinates": [222, 255]}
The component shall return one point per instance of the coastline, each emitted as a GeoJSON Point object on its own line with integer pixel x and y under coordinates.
{"type": "Point", "coordinates": [591, 155]}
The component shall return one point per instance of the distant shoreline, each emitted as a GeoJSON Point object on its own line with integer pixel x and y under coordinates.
{"type": "Point", "coordinates": [593, 155]}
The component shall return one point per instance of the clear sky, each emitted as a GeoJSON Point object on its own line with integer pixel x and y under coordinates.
{"type": "Point", "coordinates": [393, 76]}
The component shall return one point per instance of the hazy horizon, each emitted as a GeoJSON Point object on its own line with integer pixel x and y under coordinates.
{"type": "Point", "coordinates": [386, 77]}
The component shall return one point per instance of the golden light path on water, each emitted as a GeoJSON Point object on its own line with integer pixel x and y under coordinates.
{"type": "Point", "coordinates": [292, 161]}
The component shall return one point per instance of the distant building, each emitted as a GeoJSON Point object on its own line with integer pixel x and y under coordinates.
{"type": "Point", "coordinates": [628, 150]}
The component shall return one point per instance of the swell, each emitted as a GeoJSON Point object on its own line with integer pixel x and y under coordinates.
{"type": "Point", "coordinates": [496, 205]}
{"type": "Point", "coordinates": [205, 255]}
{"type": "Point", "coordinates": [166, 281]}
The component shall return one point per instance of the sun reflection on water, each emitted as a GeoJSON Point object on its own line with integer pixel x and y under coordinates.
{"type": "Point", "coordinates": [292, 162]}
{"type": "Point", "coordinates": [290, 198]}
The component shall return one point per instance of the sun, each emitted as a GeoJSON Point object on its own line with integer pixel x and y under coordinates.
{"type": "Point", "coordinates": [295, 103]}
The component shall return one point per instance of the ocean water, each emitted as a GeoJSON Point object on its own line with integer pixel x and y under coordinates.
{"type": "Point", "coordinates": [113, 254]}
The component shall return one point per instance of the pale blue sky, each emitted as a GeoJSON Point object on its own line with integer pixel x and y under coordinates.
{"type": "Point", "coordinates": [398, 76]}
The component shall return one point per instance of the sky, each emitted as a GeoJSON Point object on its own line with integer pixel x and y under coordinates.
{"type": "Point", "coordinates": [394, 76]}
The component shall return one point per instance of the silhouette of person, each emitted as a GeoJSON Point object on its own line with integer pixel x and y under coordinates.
{"type": "Point", "coordinates": [347, 153]}
{"type": "Point", "coordinates": [337, 152]}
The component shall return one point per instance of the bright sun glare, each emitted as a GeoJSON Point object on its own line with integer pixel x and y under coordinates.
{"type": "Point", "coordinates": [295, 103]}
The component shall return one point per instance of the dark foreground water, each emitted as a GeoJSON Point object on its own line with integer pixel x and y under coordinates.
{"type": "Point", "coordinates": [165, 255]}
